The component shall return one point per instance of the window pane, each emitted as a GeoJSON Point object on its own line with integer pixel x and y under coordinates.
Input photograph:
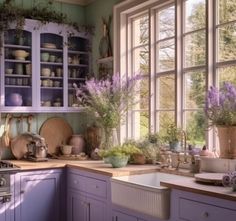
{"type": "Point", "coordinates": [226, 10]}
{"type": "Point", "coordinates": [166, 92]}
{"type": "Point", "coordinates": [195, 49]}
{"type": "Point", "coordinates": [166, 55]}
{"type": "Point", "coordinates": [165, 118]}
{"type": "Point", "coordinates": [143, 95]}
{"type": "Point", "coordinates": [195, 14]}
{"type": "Point", "coordinates": [195, 83]}
{"type": "Point", "coordinates": [227, 74]}
{"type": "Point", "coordinates": [141, 30]}
{"type": "Point", "coordinates": [166, 22]}
{"type": "Point", "coordinates": [195, 127]}
{"type": "Point", "coordinates": [140, 124]}
{"type": "Point", "coordinates": [141, 60]}
{"type": "Point", "coordinates": [227, 42]}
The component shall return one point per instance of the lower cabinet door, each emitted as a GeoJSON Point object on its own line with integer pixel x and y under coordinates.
{"type": "Point", "coordinates": [37, 197]}
{"type": "Point", "coordinates": [6, 212]}
{"type": "Point", "coordinates": [118, 216]}
{"type": "Point", "coordinates": [97, 210]}
{"type": "Point", "coordinates": [77, 207]}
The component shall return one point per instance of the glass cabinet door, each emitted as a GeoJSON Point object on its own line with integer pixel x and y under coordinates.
{"type": "Point", "coordinates": [78, 68]}
{"type": "Point", "coordinates": [51, 70]}
{"type": "Point", "coordinates": [18, 68]}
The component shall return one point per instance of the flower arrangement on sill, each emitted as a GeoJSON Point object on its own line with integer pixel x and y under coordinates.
{"type": "Point", "coordinates": [220, 110]}
{"type": "Point", "coordinates": [108, 100]}
{"type": "Point", "coordinates": [220, 106]}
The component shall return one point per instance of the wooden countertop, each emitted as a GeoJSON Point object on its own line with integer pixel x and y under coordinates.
{"type": "Point", "coordinates": [190, 185]}
{"type": "Point", "coordinates": [185, 183]}
{"type": "Point", "coordinates": [88, 165]}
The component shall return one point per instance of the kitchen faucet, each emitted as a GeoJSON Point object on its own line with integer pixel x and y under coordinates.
{"type": "Point", "coordinates": [184, 146]}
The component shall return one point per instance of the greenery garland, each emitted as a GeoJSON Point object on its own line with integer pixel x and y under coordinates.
{"type": "Point", "coordinates": [10, 13]}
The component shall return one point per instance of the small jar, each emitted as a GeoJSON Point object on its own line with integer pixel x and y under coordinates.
{"type": "Point", "coordinates": [77, 143]}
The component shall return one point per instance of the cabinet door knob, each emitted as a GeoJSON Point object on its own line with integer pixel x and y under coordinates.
{"type": "Point", "coordinates": [22, 192]}
{"type": "Point", "coordinates": [205, 214]}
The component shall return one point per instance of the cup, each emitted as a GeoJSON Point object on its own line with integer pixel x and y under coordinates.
{"type": "Point", "coordinates": [52, 58]}
{"type": "Point", "coordinates": [66, 149]}
{"type": "Point", "coordinates": [28, 69]}
{"type": "Point", "coordinates": [7, 81]}
{"type": "Point", "coordinates": [25, 81]}
{"type": "Point", "coordinates": [19, 81]}
{"type": "Point", "coordinates": [12, 81]}
{"type": "Point", "coordinates": [45, 83]}
{"type": "Point", "coordinates": [19, 69]}
{"type": "Point", "coordinates": [58, 72]}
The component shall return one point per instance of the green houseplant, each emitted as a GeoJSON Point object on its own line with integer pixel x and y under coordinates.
{"type": "Point", "coordinates": [173, 136]}
{"type": "Point", "coordinates": [118, 156]}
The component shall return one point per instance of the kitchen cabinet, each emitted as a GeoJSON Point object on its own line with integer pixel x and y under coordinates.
{"type": "Point", "coordinates": [39, 195]}
{"type": "Point", "coordinates": [197, 207]}
{"type": "Point", "coordinates": [6, 212]}
{"type": "Point", "coordinates": [86, 198]}
{"type": "Point", "coordinates": [118, 216]}
{"type": "Point", "coordinates": [38, 71]}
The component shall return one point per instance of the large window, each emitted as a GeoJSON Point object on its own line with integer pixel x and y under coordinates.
{"type": "Point", "coordinates": [180, 48]}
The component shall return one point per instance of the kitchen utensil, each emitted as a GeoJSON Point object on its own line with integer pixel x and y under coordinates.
{"type": "Point", "coordinates": [19, 145]}
{"type": "Point", "coordinates": [37, 148]}
{"type": "Point", "coordinates": [29, 122]}
{"type": "Point", "coordinates": [56, 132]}
{"type": "Point", "coordinates": [5, 140]}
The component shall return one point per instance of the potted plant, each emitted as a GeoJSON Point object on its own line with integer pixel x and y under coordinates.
{"type": "Point", "coordinates": [220, 111]}
{"type": "Point", "coordinates": [173, 136]}
{"type": "Point", "coordinates": [119, 155]}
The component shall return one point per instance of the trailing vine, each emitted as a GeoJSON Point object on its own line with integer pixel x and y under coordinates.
{"type": "Point", "coordinates": [10, 13]}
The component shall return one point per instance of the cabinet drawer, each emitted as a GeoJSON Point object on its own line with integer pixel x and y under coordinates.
{"type": "Point", "coordinates": [96, 187]}
{"type": "Point", "coordinates": [76, 182]}
{"type": "Point", "coordinates": [197, 211]}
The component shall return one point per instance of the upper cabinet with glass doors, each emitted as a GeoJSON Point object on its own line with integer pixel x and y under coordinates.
{"type": "Point", "coordinates": [39, 66]}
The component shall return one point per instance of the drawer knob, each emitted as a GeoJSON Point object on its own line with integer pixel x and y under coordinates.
{"type": "Point", "coordinates": [205, 215]}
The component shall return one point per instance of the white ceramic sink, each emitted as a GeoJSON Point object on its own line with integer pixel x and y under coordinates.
{"type": "Point", "coordinates": [143, 193]}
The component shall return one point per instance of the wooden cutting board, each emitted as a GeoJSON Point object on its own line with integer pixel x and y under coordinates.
{"type": "Point", "coordinates": [56, 132]}
{"type": "Point", "coordinates": [209, 178]}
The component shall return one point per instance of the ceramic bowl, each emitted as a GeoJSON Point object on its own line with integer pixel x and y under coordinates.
{"type": "Point", "coordinates": [9, 71]}
{"type": "Point", "coordinates": [45, 72]}
{"type": "Point", "coordinates": [66, 149]}
{"type": "Point", "coordinates": [118, 161]}
{"type": "Point", "coordinates": [49, 45]}
{"type": "Point", "coordinates": [56, 83]}
{"type": "Point", "coordinates": [52, 58]}
{"type": "Point", "coordinates": [20, 54]}
{"type": "Point", "coordinates": [45, 83]}
{"type": "Point", "coordinates": [57, 104]}
{"type": "Point", "coordinates": [47, 104]}
{"type": "Point", "coordinates": [44, 56]}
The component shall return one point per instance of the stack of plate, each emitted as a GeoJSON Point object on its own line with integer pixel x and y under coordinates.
{"type": "Point", "coordinates": [49, 45]}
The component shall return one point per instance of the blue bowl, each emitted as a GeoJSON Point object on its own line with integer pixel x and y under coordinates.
{"type": "Point", "coordinates": [118, 161]}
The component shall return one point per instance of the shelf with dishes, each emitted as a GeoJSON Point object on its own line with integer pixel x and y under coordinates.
{"type": "Point", "coordinates": [13, 46]}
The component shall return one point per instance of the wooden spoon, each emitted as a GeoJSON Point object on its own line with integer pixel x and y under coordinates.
{"type": "Point", "coordinates": [5, 140]}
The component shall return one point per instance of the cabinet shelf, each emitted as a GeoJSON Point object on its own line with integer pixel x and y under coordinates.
{"type": "Point", "coordinates": [52, 88]}
{"type": "Point", "coordinates": [78, 65]}
{"type": "Point", "coordinates": [17, 61]}
{"type": "Point", "coordinates": [78, 52]}
{"type": "Point", "coordinates": [17, 75]}
{"type": "Point", "coordinates": [52, 63]}
{"type": "Point", "coordinates": [51, 49]}
{"type": "Point", "coordinates": [17, 86]}
{"type": "Point", "coordinates": [17, 46]}
{"type": "Point", "coordinates": [55, 78]}
{"type": "Point", "coordinates": [77, 79]}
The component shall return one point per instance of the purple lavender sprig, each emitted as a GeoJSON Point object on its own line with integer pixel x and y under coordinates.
{"type": "Point", "coordinates": [220, 106]}
{"type": "Point", "coordinates": [109, 99]}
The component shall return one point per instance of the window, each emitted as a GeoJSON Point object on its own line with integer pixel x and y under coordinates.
{"type": "Point", "coordinates": [181, 48]}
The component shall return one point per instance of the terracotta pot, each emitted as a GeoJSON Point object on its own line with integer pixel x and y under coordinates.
{"type": "Point", "coordinates": [138, 158]}
{"type": "Point", "coordinates": [77, 143]}
{"type": "Point", "coordinates": [227, 141]}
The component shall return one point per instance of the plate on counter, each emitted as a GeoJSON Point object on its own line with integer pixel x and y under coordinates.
{"type": "Point", "coordinates": [56, 131]}
{"type": "Point", "coordinates": [209, 178]}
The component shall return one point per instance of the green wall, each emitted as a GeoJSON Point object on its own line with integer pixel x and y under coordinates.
{"type": "Point", "coordinates": [74, 12]}
{"type": "Point", "coordinates": [93, 16]}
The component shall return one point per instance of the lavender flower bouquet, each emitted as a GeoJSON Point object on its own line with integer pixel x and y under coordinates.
{"type": "Point", "coordinates": [220, 106]}
{"type": "Point", "coordinates": [108, 100]}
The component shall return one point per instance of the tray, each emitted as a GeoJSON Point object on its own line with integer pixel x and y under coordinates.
{"type": "Point", "coordinates": [209, 178]}
{"type": "Point", "coordinates": [56, 132]}
{"type": "Point", "coordinates": [72, 157]}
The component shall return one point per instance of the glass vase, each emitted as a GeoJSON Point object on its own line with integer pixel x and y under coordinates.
{"type": "Point", "coordinates": [110, 138]}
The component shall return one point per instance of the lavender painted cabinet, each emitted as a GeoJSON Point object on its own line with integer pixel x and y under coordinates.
{"type": "Point", "coordinates": [39, 196]}
{"type": "Point", "coordinates": [87, 197]}
{"type": "Point", "coordinates": [6, 212]}
{"type": "Point", "coordinates": [118, 216]}
{"type": "Point", "coordinates": [197, 207]}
